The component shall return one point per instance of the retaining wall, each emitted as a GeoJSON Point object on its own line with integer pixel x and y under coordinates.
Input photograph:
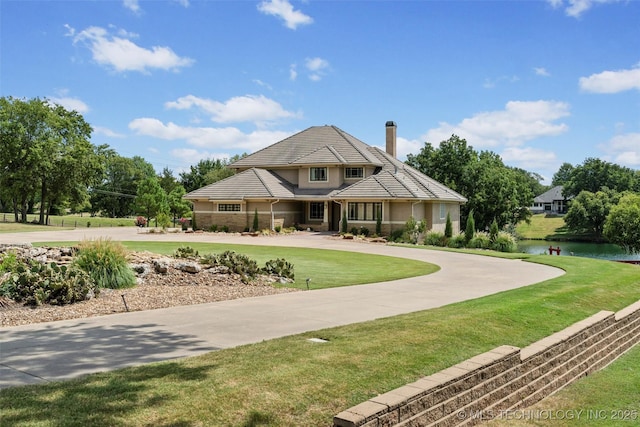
{"type": "Point", "coordinates": [505, 378]}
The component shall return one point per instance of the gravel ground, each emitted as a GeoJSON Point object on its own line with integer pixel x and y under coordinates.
{"type": "Point", "coordinates": [173, 288]}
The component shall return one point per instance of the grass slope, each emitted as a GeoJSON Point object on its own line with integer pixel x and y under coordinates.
{"type": "Point", "coordinates": [291, 381]}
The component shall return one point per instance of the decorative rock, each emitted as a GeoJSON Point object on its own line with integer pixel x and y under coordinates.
{"type": "Point", "coordinates": [160, 266]}
{"type": "Point", "coordinates": [188, 267]}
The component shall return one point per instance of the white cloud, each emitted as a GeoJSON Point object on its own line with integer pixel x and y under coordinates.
{"type": "Point", "coordinates": [491, 83]}
{"type": "Point", "coordinates": [612, 81]}
{"type": "Point", "coordinates": [317, 68]}
{"type": "Point", "coordinates": [183, 3]}
{"type": "Point", "coordinates": [100, 130]}
{"type": "Point", "coordinates": [520, 121]}
{"type": "Point", "coordinates": [192, 156]}
{"type": "Point", "coordinates": [624, 149]}
{"type": "Point", "coordinates": [132, 5]}
{"type": "Point", "coordinates": [71, 104]}
{"type": "Point", "coordinates": [121, 54]}
{"type": "Point", "coordinates": [229, 138]}
{"type": "Point", "coordinates": [293, 72]}
{"type": "Point", "coordinates": [284, 10]}
{"type": "Point", "coordinates": [575, 8]}
{"type": "Point", "coordinates": [541, 71]}
{"type": "Point", "coordinates": [529, 158]}
{"type": "Point", "coordinates": [248, 108]}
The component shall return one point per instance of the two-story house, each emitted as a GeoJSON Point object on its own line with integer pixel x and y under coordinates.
{"type": "Point", "coordinates": [315, 178]}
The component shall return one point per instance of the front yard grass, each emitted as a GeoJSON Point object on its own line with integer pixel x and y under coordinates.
{"type": "Point", "coordinates": [325, 268]}
{"type": "Point", "coordinates": [293, 382]}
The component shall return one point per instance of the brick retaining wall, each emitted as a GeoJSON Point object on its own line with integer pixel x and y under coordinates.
{"type": "Point", "coordinates": [505, 378]}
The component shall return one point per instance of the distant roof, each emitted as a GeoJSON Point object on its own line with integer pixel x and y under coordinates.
{"type": "Point", "coordinates": [315, 145]}
{"type": "Point", "coordinates": [550, 195]}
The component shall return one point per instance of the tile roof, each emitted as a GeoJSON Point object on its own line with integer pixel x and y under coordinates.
{"type": "Point", "coordinates": [325, 145]}
{"type": "Point", "coordinates": [250, 184]}
{"type": "Point", "coordinates": [315, 145]}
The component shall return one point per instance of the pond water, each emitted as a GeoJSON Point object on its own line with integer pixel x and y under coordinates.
{"type": "Point", "coordinates": [589, 250]}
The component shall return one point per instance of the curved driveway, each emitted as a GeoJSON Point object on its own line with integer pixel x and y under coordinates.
{"type": "Point", "coordinates": [71, 348]}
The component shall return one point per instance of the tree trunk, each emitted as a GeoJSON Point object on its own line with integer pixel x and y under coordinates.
{"type": "Point", "coordinates": [43, 198]}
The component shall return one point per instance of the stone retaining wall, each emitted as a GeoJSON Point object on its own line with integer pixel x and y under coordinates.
{"type": "Point", "coordinates": [505, 378]}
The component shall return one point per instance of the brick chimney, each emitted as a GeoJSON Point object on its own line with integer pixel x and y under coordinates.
{"type": "Point", "coordinates": [391, 138]}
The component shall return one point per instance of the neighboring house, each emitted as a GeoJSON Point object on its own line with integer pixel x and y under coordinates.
{"type": "Point", "coordinates": [312, 178]}
{"type": "Point", "coordinates": [552, 202]}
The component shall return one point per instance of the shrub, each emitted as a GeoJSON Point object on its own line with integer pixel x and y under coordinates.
{"type": "Point", "coordinates": [237, 263]}
{"type": "Point", "coordinates": [277, 228]}
{"type": "Point", "coordinates": [457, 241]}
{"type": "Point", "coordinates": [364, 231]}
{"type": "Point", "coordinates": [504, 242]}
{"type": "Point", "coordinates": [493, 230]}
{"type": "Point", "coordinates": [379, 225]}
{"type": "Point", "coordinates": [225, 229]}
{"type": "Point", "coordinates": [481, 240]}
{"type": "Point", "coordinates": [279, 267]}
{"type": "Point", "coordinates": [163, 220]}
{"type": "Point", "coordinates": [435, 238]}
{"type": "Point", "coordinates": [185, 252]}
{"type": "Point", "coordinates": [448, 228]}
{"type": "Point", "coordinates": [106, 262]}
{"type": "Point", "coordinates": [471, 228]}
{"type": "Point", "coordinates": [36, 284]}
{"type": "Point", "coordinates": [255, 220]}
{"type": "Point", "coordinates": [396, 235]}
{"type": "Point", "coordinates": [140, 221]}
{"type": "Point", "coordinates": [9, 262]}
{"type": "Point", "coordinates": [213, 228]}
{"type": "Point", "coordinates": [344, 224]}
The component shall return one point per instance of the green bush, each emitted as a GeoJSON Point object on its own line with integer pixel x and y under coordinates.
{"type": "Point", "coordinates": [185, 252]}
{"type": "Point", "coordinates": [448, 227]}
{"type": "Point", "coordinates": [457, 241]}
{"type": "Point", "coordinates": [213, 228]}
{"type": "Point", "coordinates": [35, 284]}
{"type": "Point", "coordinates": [9, 261]}
{"type": "Point", "coordinates": [277, 229]}
{"type": "Point", "coordinates": [237, 263]}
{"type": "Point", "coordinates": [480, 240]}
{"type": "Point", "coordinates": [435, 238]}
{"type": "Point", "coordinates": [504, 242]}
{"type": "Point", "coordinates": [279, 267]}
{"type": "Point", "coordinates": [396, 235]}
{"type": "Point", "coordinates": [106, 262]}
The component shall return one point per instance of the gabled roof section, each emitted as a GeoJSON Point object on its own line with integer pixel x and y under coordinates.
{"type": "Point", "coordinates": [250, 184]}
{"type": "Point", "coordinates": [315, 145]}
{"type": "Point", "coordinates": [549, 196]}
{"type": "Point", "coordinates": [416, 184]}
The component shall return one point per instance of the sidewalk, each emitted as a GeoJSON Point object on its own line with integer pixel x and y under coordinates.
{"type": "Point", "coordinates": [71, 348]}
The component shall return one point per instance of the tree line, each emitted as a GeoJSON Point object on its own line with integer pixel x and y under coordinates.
{"type": "Point", "coordinates": [49, 165]}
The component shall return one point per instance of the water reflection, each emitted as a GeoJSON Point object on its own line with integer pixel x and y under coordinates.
{"type": "Point", "coordinates": [589, 250]}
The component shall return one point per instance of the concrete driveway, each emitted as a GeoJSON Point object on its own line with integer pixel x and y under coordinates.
{"type": "Point", "coordinates": [71, 348]}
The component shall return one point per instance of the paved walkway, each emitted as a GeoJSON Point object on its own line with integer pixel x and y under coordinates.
{"type": "Point", "coordinates": [71, 348]}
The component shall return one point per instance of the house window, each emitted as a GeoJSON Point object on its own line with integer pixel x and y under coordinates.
{"type": "Point", "coordinates": [353, 173]}
{"type": "Point", "coordinates": [317, 174]}
{"type": "Point", "coordinates": [229, 207]}
{"type": "Point", "coordinates": [443, 211]}
{"type": "Point", "coordinates": [364, 211]}
{"type": "Point", "coordinates": [316, 210]}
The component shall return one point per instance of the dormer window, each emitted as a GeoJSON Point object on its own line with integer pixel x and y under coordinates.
{"type": "Point", "coordinates": [352, 173]}
{"type": "Point", "coordinates": [318, 174]}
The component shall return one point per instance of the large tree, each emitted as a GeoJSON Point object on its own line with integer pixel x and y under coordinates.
{"type": "Point", "coordinates": [595, 174]}
{"type": "Point", "coordinates": [622, 225]}
{"type": "Point", "coordinates": [494, 190]}
{"type": "Point", "coordinates": [151, 199]}
{"type": "Point", "coordinates": [46, 155]}
{"type": "Point", "coordinates": [208, 171]}
{"type": "Point", "coordinates": [114, 196]}
{"type": "Point", "coordinates": [563, 175]}
{"type": "Point", "coordinates": [588, 211]}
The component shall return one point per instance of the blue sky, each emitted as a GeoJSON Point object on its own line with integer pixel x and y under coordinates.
{"type": "Point", "coordinates": [538, 82]}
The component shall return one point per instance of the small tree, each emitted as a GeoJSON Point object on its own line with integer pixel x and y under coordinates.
{"type": "Point", "coordinates": [493, 231]}
{"type": "Point", "coordinates": [344, 225]}
{"type": "Point", "coordinates": [471, 228]}
{"type": "Point", "coordinates": [622, 226]}
{"type": "Point", "coordinates": [255, 220]}
{"type": "Point", "coordinates": [448, 228]}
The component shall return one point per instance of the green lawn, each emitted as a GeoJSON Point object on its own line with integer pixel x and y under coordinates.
{"type": "Point", "coordinates": [326, 269]}
{"type": "Point", "coordinates": [293, 382]}
{"type": "Point", "coordinates": [543, 227]}
{"type": "Point", "coordinates": [67, 221]}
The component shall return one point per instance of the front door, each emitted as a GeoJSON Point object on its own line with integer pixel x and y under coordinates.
{"type": "Point", "coordinates": [334, 216]}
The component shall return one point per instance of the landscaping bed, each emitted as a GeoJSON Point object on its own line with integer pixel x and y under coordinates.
{"type": "Point", "coordinates": [155, 289]}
